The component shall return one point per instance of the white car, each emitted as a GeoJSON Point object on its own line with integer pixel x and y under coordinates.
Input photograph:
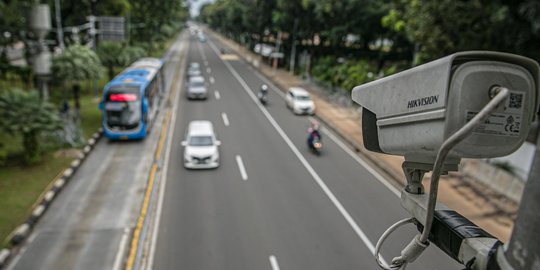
{"type": "Point", "coordinates": [299, 101]}
{"type": "Point", "coordinates": [201, 146]}
{"type": "Point", "coordinates": [196, 88]}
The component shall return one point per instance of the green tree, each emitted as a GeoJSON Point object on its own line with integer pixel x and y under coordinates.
{"type": "Point", "coordinates": [24, 113]}
{"type": "Point", "coordinates": [109, 53]}
{"type": "Point", "coordinates": [113, 54]}
{"type": "Point", "coordinates": [77, 63]}
{"type": "Point", "coordinates": [442, 27]}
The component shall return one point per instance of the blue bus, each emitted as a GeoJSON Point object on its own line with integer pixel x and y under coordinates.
{"type": "Point", "coordinates": [131, 100]}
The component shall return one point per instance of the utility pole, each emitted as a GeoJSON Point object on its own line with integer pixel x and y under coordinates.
{"type": "Point", "coordinates": [59, 30]}
{"type": "Point", "coordinates": [293, 49]}
{"type": "Point", "coordinates": [278, 45]}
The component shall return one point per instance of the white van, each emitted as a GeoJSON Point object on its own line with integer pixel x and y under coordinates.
{"type": "Point", "coordinates": [201, 146]}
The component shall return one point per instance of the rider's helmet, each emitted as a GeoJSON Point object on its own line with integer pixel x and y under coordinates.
{"type": "Point", "coordinates": [264, 87]}
{"type": "Point", "coordinates": [314, 125]}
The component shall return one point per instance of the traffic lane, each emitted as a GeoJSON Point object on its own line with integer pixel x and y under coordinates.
{"type": "Point", "coordinates": [89, 217]}
{"type": "Point", "coordinates": [203, 214]}
{"type": "Point", "coordinates": [262, 143]}
{"type": "Point", "coordinates": [352, 183]}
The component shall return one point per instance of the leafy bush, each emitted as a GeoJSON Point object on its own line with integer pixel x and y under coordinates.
{"type": "Point", "coordinates": [24, 113]}
{"type": "Point", "coordinates": [345, 75]}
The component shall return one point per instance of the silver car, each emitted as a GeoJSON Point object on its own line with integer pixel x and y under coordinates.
{"type": "Point", "coordinates": [194, 69]}
{"type": "Point", "coordinates": [196, 88]}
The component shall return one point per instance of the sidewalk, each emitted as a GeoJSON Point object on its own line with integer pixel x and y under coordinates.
{"type": "Point", "coordinates": [482, 206]}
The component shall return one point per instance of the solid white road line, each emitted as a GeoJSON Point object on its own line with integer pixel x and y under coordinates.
{"type": "Point", "coordinates": [121, 249]}
{"type": "Point", "coordinates": [216, 93]}
{"type": "Point", "coordinates": [212, 80]}
{"type": "Point", "coordinates": [163, 176]}
{"type": "Point", "coordinates": [339, 142]}
{"type": "Point", "coordinates": [274, 263]}
{"type": "Point", "coordinates": [225, 119]}
{"type": "Point", "coordinates": [208, 70]}
{"type": "Point", "coordinates": [362, 162]}
{"type": "Point", "coordinates": [302, 159]}
{"type": "Point", "coordinates": [241, 168]}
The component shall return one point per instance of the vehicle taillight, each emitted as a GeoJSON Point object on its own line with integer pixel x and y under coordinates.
{"type": "Point", "coordinates": [123, 97]}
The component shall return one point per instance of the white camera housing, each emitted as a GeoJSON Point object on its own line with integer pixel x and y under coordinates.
{"type": "Point", "coordinates": [413, 112]}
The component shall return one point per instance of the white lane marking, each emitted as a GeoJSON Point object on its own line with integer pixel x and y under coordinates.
{"type": "Point", "coordinates": [17, 258]}
{"type": "Point", "coordinates": [208, 70]}
{"type": "Point", "coordinates": [225, 119]}
{"type": "Point", "coordinates": [121, 249]}
{"type": "Point", "coordinates": [340, 143]}
{"type": "Point", "coordinates": [216, 93]}
{"type": "Point", "coordinates": [163, 176]}
{"type": "Point", "coordinates": [274, 263]}
{"type": "Point", "coordinates": [361, 161]}
{"type": "Point", "coordinates": [241, 167]}
{"type": "Point", "coordinates": [302, 159]}
{"type": "Point", "coordinates": [212, 80]}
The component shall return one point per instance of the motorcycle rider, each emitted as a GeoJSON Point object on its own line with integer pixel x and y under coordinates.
{"type": "Point", "coordinates": [263, 92]}
{"type": "Point", "coordinates": [313, 132]}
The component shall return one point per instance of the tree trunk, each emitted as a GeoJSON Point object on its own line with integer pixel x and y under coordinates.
{"type": "Point", "coordinates": [31, 147]}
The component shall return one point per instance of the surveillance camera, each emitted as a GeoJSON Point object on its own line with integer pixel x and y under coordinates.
{"type": "Point", "coordinates": [413, 112]}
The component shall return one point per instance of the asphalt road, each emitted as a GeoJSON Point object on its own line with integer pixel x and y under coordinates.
{"type": "Point", "coordinates": [295, 210]}
{"type": "Point", "coordinates": [93, 216]}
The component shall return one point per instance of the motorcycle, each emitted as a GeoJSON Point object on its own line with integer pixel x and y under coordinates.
{"type": "Point", "coordinates": [315, 145]}
{"type": "Point", "coordinates": [263, 98]}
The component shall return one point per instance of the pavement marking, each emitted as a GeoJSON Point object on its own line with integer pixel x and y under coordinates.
{"type": "Point", "coordinates": [121, 248]}
{"type": "Point", "coordinates": [274, 263]}
{"type": "Point", "coordinates": [17, 258]}
{"type": "Point", "coordinates": [225, 119]}
{"type": "Point", "coordinates": [241, 167]}
{"type": "Point", "coordinates": [208, 70]}
{"type": "Point", "coordinates": [361, 234]}
{"type": "Point", "coordinates": [216, 93]}
{"type": "Point", "coordinates": [340, 143]}
{"type": "Point", "coordinates": [212, 80]}
{"type": "Point", "coordinates": [163, 176]}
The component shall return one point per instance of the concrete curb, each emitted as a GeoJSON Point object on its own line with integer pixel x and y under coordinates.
{"type": "Point", "coordinates": [4, 255]}
{"type": "Point", "coordinates": [21, 233]}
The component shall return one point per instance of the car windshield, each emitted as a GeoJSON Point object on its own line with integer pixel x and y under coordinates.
{"type": "Point", "coordinates": [200, 141]}
{"type": "Point", "coordinates": [303, 98]}
{"type": "Point", "coordinates": [197, 84]}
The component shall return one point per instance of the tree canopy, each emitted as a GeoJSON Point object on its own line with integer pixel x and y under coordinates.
{"type": "Point", "coordinates": [77, 63]}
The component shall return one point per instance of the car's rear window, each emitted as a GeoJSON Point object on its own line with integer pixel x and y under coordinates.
{"type": "Point", "coordinates": [200, 141]}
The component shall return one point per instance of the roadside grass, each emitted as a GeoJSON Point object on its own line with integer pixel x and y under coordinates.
{"type": "Point", "coordinates": [20, 186]}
